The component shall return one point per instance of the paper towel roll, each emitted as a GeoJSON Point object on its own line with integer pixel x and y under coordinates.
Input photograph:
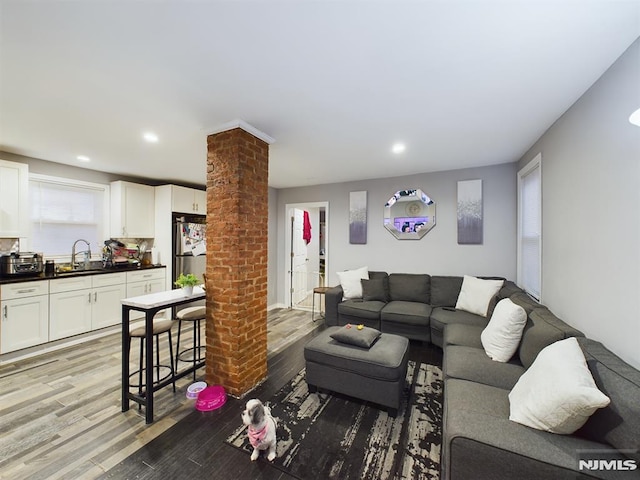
{"type": "Point", "coordinates": [155, 256]}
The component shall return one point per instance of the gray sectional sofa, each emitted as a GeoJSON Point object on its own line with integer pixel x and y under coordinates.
{"type": "Point", "coordinates": [479, 440]}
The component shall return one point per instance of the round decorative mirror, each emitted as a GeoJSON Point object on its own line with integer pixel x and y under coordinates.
{"type": "Point", "coordinates": [409, 214]}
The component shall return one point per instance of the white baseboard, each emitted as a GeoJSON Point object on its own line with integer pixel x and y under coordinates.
{"type": "Point", "coordinates": [276, 305]}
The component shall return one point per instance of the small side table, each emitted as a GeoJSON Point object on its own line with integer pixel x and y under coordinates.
{"type": "Point", "coordinates": [319, 291]}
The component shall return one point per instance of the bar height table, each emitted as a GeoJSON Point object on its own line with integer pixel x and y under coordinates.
{"type": "Point", "coordinates": [150, 304]}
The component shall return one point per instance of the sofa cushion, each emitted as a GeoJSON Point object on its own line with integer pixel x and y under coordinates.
{"type": "Point", "coordinates": [479, 441]}
{"type": "Point", "coordinates": [468, 363]}
{"type": "Point", "coordinates": [501, 336]}
{"type": "Point", "coordinates": [410, 287]}
{"type": "Point", "coordinates": [557, 393]}
{"type": "Point", "coordinates": [350, 281]}
{"type": "Point", "coordinates": [441, 317]}
{"type": "Point", "coordinates": [375, 289]}
{"type": "Point", "coordinates": [359, 336]}
{"type": "Point", "coordinates": [619, 423]}
{"type": "Point", "coordinates": [476, 294]}
{"type": "Point", "coordinates": [360, 308]}
{"type": "Point", "coordinates": [460, 334]}
{"type": "Point", "coordinates": [525, 301]}
{"type": "Point", "coordinates": [410, 313]}
{"type": "Point", "coordinates": [509, 288]}
{"type": "Point", "coordinates": [542, 328]}
{"type": "Point", "coordinates": [445, 290]}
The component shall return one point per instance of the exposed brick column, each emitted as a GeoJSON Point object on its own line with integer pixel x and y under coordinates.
{"type": "Point", "coordinates": [237, 221]}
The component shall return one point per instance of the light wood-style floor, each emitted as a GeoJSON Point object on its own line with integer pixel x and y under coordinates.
{"type": "Point", "coordinates": [60, 413]}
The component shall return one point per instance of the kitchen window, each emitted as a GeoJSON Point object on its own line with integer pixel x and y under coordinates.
{"type": "Point", "coordinates": [63, 211]}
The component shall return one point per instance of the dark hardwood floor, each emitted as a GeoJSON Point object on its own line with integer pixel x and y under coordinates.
{"type": "Point", "coordinates": [194, 448]}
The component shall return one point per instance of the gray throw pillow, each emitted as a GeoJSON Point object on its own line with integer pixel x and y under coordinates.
{"type": "Point", "coordinates": [374, 289]}
{"type": "Point", "coordinates": [351, 335]}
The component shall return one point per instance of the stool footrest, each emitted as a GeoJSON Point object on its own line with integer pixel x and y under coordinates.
{"type": "Point", "coordinates": [187, 355]}
{"type": "Point", "coordinates": [156, 380]}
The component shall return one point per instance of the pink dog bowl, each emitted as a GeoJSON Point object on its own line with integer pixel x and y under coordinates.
{"type": "Point", "coordinates": [211, 398]}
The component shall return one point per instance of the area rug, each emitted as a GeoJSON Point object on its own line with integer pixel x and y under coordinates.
{"type": "Point", "coordinates": [322, 435]}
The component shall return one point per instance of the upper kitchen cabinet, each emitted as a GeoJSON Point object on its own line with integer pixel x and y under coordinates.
{"type": "Point", "coordinates": [14, 212]}
{"type": "Point", "coordinates": [132, 210]}
{"type": "Point", "coordinates": [188, 200]}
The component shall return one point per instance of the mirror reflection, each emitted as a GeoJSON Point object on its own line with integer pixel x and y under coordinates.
{"type": "Point", "coordinates": [409, 214]}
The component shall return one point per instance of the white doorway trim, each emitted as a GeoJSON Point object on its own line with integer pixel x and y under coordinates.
{"type": "Point", "coordinates": [287, 238]}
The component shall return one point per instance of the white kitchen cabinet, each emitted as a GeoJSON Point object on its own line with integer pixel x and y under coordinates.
{"type": "Point", "coordinates": [188, 200]}
{"type": "Point", "coordinates": [108, 290]}
{"type": "Point", "coordinates": [14, 213]}
{"type": "Point", "coordinates": [25, 315]}
{"type": "Point", "coordinates": [85, 303]}
{"type": "Point", "coordinates": [69, 307]}
{"type": "Point", "coordinates": [143, 282]}
{"type": "Point", "coordinates": [132, 210]}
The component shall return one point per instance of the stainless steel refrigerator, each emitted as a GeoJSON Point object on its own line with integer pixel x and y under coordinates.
{"type": "Point", "coordinates": [189, 245]}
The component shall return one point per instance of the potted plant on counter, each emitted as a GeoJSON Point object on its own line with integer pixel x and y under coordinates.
{"type": "Point", "coordinates": [187, 282]}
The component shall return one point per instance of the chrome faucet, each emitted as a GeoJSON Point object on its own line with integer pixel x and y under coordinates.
{"type": "Point", "coordinates": [86, 252]}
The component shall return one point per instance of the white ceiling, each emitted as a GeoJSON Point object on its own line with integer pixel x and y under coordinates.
{"type": "Point", "coordinates": [335, 83]}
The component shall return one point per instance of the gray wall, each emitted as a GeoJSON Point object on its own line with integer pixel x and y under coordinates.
{"type": "Point", "coordinates": [438, 252]}
{"type": "Point", "coordinates": [591, 205]}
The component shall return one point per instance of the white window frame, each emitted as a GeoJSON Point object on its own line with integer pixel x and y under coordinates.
{"type": "Point", "coordinates": [534, 164]}
{"type": "Point", "coordinates": [96, 251]}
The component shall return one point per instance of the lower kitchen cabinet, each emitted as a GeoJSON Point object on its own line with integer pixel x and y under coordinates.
{"type": "Point", "coordinates": [144, 282]}
{"type": "Point", "coordinates": [25, 315]}
{"type": "Point", "coordinates": [40, 311]}
{"type": "Point", "coordinates": [81, 304]}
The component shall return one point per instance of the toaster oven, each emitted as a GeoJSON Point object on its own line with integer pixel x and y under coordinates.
{"type": "Point", "coordinates": [21, 263]}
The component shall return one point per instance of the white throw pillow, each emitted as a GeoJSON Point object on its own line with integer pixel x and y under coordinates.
{"type": "Point", "coordinates": [350, 282]}
{"type": "Point", "coordinates": [476, 294]}
{"type": "Point", "coordinates": [557, 393]}
{"type": "Point", "coordinates": [501, 336]}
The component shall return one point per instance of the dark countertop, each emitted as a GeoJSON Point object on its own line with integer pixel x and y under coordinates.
{"type": "Point", "coordinates": [78, 273]}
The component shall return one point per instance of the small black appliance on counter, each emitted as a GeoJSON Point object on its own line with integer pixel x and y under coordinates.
{"type": "Point", "coordinates": [21, 263]}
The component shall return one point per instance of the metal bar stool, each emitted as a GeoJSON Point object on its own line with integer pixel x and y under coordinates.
{"type": "Point", "coordinates": [160, 326]}
{"type": "Point", "coordinates": [196, 353]}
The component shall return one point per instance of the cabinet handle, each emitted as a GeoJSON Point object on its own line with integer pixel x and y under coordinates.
{"type": "Point", "coordinates": [6, 312]}
{"type": "Point", "coordinates": [27, 290]}
{"type": "Point", "coordinates": [89, 297]}
{"type": "Point", "coordinates": [124, 231]}
{"type": "Point", "coordinates": [95, 296]}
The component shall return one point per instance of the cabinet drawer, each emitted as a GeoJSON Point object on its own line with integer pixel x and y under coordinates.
{"type": "Point", "coordinates": [140, 276]}
{"type": "Point", "coordinates": [70, 284]}
{"type": "Point", "coordinates": [26, 289]}
{"type": "Point", "coordinates": [109, 279]}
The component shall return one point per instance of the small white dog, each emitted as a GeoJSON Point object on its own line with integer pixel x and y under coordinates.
{"type": "Point", "coordinates": [262, 429]}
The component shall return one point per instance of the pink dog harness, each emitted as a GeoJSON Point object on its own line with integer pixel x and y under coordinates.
{"type": "Point", "coordinates": [257, 436]}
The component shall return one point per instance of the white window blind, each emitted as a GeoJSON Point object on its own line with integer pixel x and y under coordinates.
{"type": "Point", "coordinates": [530, 227]}
{"type": "Point", "coordinates": [63, 211]}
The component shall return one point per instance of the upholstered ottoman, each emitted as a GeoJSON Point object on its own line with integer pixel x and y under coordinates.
{"type": "Point", "coordinates": [376, 374]}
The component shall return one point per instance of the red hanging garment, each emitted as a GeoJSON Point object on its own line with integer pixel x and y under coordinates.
{"type": "Point", "coordinates": [306, 228]}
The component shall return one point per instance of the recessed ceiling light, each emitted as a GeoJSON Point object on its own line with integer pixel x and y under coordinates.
{"type": "Point", "coordinates": [398, 148]}
{"type": "Point", "coordinates": [83, 158]}
{"type": "Point", "coordinates": [635, 118]}
{"type": "Point", "coordinates": [150, 137]}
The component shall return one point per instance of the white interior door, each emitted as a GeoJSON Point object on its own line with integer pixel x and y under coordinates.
{"type": "Point", "coordinates": [299, 258]}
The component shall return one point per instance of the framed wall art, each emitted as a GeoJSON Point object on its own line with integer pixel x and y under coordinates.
{"type": "Point", "coordinates": [470, 224]}
{"type": "Point", "coordinates": [358, 218]}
